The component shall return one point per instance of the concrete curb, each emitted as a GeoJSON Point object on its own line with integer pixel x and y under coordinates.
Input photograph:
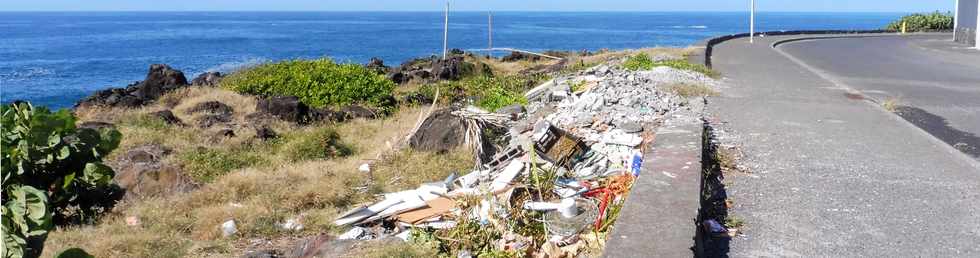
{"type": "Point", "coordinates": [658, 218]}
{"type": "Point", "coordinates": [660, 213]}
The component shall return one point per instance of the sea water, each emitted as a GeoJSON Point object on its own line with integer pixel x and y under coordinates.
{"type": "Point", "coordinates": [54, 59]}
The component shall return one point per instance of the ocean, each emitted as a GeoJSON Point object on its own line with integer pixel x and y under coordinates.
{"type": "Point", "coordinates": [54, 59]}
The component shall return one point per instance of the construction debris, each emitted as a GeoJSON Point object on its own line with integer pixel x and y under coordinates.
{"type": "Point", "coordinates": [228, 228]}
{"type": "Point", "coordinates": [568, 174]}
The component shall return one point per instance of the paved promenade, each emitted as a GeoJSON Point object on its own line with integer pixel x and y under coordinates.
{"type": "Point", "coordinates": [836, 176]}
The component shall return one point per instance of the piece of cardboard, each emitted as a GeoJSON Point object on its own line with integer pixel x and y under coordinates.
{"type": "Point", "coordinates": [435, 207]}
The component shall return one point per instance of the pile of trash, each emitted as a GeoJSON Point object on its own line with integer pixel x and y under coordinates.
{"type": "Point", "coordinates": [555, 189]}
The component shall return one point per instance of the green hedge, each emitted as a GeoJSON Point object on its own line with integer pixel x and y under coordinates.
{"type": "Point", "coordinates": [318, 83]}
{"type": "Point", "coordinates": [935, 21]}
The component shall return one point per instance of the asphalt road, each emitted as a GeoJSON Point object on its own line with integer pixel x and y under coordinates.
{"type": "Point", "coordinates": [836, 176]}
{"type": "Point", "coordinates": [937, 79]}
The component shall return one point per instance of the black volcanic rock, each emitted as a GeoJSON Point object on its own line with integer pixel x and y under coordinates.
{"type": "Point", "coordinates": [159, 80]}
{"type": "Point", "coordinates": [287, 108]}
{"type": "Point", "coordinates": [377, 65]}
{"type": "Point", "coordinates": [207, 79]}
{"type": "Point", "coordinates": [168, 117]}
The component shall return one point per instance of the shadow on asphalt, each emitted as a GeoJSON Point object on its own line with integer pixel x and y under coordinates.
{"type": "Point", "coordinates": [714, 199]}
{"type": "Point", "coordinates": [966, 142]}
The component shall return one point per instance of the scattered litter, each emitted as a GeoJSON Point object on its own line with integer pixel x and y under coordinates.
{"type": "Point", "coordinates": [435, 207]}
{"type": "Point", "coordinates": [132, 221]}
{"type": "Point", "coordinates": [358, 233]}
{"type": "Point", "coordinates": [567, 171]}
{"type": "Point", "coordinates": [404, 235]}
{"type": "Point", "coordinates": [291, 224]}
{"type": "Point", "coordinates": [364, 168]}
{"type": "Point", "coordinates": [714, 227]}
{"type": "Point", "coordinates": [228, 228]}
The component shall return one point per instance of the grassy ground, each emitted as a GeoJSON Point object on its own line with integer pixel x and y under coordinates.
{"type": "Point", "coordinates": [257, 195]}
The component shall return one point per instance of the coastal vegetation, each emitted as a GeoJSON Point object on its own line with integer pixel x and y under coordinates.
{"type": "Point", "coordinates": [318, 83]}
{"type": "Point", "coordinates": [487, 92]}
{"type": "Point", "coordinates": [52, 174]}
{"type": "Point", "coordinates": [923, 22]}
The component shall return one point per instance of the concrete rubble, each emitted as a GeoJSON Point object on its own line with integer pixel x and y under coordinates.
{"type": "Point", "coordinates": [573, 155]}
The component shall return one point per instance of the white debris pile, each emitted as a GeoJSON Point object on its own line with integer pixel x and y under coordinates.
{"type": "Point", "coordinates": [571, 159]}
{"type": "Point", "coordinates": [608, 97]}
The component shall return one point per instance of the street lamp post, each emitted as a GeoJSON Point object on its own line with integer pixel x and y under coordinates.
{"type": "Point", "coordinates": [752, 22]}
{"type": "Point", "coordinates": [445, 34]}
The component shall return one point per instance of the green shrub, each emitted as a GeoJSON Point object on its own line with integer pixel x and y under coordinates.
{"type": "Point", "coordinates": [920, 22]}
{"type": "Point", "coordinates": [487, 92]}
{"type": "Point", "coordinates": [49, 167]}
{"type": "Point", "coordinates": [642, 61]}
{"type": "Point", "coordinates": [206, 165]}
{"type": "Point", "coordinates": [322, 143]}
{"type": "Point", "coordinates": [318, 83]}
{"type": "Point", "coordinates": [637, 62]}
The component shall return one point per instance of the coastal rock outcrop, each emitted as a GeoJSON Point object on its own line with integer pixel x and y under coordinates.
{"type": "Point", "coordinates": [142, 172]}
{"type": "Point", "coordinates": [287, 108]}
{"type": "Point", "coordinates": [355, 111]}
{"type": "Point", "coordinates": [442, 131]}
{"type": "Point", "coordinates": [518, 56]}
{"type": "Point", "coordinates": [435, 68]}
{"type": "Point", "coordinates": [452, 68]}
{"type": "Point", "coordinates": [168, 117]}
{"type": "Point", "coordinates": [159, 80]}
{"type": "Point", "coordinates": [377, 65]}
{"type": "Point", "coordinates": [211, 113]}
{"type": "Point", "coordinates": [208, 79]}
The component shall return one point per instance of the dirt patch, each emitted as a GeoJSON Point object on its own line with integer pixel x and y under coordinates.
{"type": "Point", "coordinates": [854, 96]}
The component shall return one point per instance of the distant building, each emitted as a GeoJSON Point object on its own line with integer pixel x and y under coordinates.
{"type": "Point", "coordinates": [967, 22]}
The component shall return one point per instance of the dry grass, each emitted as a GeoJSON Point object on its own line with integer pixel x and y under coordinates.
{"type": "Point", "coordinates": [257, 197]}
{"type": "Point", "coordinates": [891, 104]}
{"type": "Point", "coordinates": [691, 90]}
{"type": "Point", "coordinates": [393, 249]}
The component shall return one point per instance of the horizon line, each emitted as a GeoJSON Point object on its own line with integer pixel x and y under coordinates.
{"type": "Point", "coordinates": [471, 10]}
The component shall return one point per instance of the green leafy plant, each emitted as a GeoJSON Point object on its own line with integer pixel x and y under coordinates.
{"type": "Point", "coordinates": [52, 173]}
{"type": "Point", "coordinates": [920, 22]}
{"type": "Point", "coordinates": [639, 61]}
{"type": "Point", "coordinates": [578, 85]}
{"type": "Point", "coordinates": [318, 83]}
{"type": "Point", "coordinates": [487, 92]}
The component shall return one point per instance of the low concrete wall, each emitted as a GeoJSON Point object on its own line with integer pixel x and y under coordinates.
{"type": "Point", "coordinates": [709, 44]}
{"type": "Point", "coordinates": [658, 218]}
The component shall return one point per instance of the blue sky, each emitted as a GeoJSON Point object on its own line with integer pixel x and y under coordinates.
{"type": "Point", "coordinates": [474, 5]}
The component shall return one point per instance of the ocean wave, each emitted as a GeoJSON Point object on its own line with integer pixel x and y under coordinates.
{"type": "Point", "coordinates": [229, 67]}
{"type": "Point", "coordinates": [27, 73]}
{"type": "Point", "coordinates": [690, 27]}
